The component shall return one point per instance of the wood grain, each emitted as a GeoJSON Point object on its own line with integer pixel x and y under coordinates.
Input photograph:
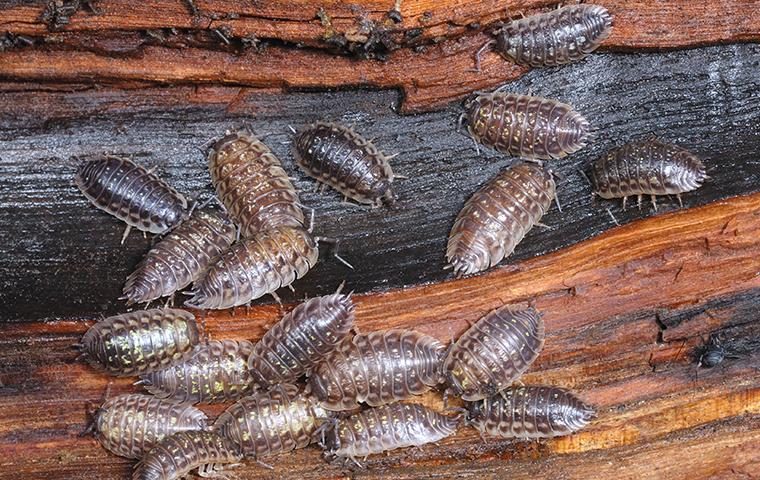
{"type": "Point", "coordinates": [624, 313]}
{"type": "Point", "coordinates": [112, 46]}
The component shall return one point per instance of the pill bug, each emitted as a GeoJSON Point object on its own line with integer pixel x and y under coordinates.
{"type": "Point", "coordinates": [494, 352]}
{"type": "Point", "coordinates": [130, 425]}
{"type": "Point", "coordinates": [176, 455]}
{"type": "Point", "coordinates": [378, 368]}
{"type": "Point", "coordinates": [131, 193]}
{"type": "Point", "coordinates": [554, 38]}
{"type": "Point", "coordinates": [252, 185]}
{"type": "Point", "coordinates": [255, 267]}
{"type": "Point", "coordinates": [298, 342]}
{"type": "Point", "coordinates": [217, 372]}
{"type": "Point", "coordinates": [140, 342]}
{"type": "Point", "coordinates": [272, 422]}
{"type": "Point", "coordinates": [380, 429]}
{"type": "Point", "coordinates": [534, 128]}
{"type": "Point", "coordinates": [530, 413]}
{"type": "Point", "coordinates": [498, 216]}
{"type": "Point", "coordinates": [180, 258]}
{"type": "Point", "coordinates": [338, 156]}
{"type": "Point", "coordinates": [647, 168]}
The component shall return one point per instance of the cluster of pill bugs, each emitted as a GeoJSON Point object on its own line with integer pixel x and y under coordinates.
{"type": "Point", "coordinates": [354, 382]}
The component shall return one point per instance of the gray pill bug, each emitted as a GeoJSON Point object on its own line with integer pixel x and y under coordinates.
{"type": "Point", "coordinates": [533, 128]}
{"type": "Point", "coordinates": [498, 216]}
{"type": "Point", "coordinates": [301, 339]}
{"type": "Point", "coordinates": [177, 455]}
{"type": "Point", "coordinates": [181, 257]}
{"type": "Point", "coordinates": [141, 341]}
{"type": "Point", "coordinates": [130, 425]}
{"type": "Point", "coordinates": [385, 428]}
{"type": "Point", "coordinates": [216, 372]}
{"type": "Point", "coordinates": [530, 413]}
{"type": "Point", "coordinates": [494, 352]}
{"type": "Point", "coordinates": [338, 156]}
{"type": "Point", "coordinates": [648, 167]}
{"type": "Point", "coordinates": [272, 422]}
{"type": "Point", "coordinates": [131, 193]}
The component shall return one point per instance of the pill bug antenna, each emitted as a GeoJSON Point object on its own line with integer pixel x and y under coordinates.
{"type": "Point", "coordinates": [479, 54]}
{"type": "Point", "coordinates": [92, 415]}
{"type": "Point", "coordinates": [561, 179]}
{"type": "Point", "coordinates": [340, 288]}
{"type": "Point", "coordinates": [335, 242]}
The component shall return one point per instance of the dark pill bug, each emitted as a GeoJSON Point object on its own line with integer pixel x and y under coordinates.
{"type": "Point", "coordinates": [272, 422]}
{"type": "Point", "coordinates": [217, 372]}
{"type": "Point", "coordinates": [131, 193]}
{"type": "Point", "coordinates": [530, 413]}
{"type": "Point", "coordinates": [177, 455]}
{"type": "Point", "coordinates": [494, 352]}
{"type": "Point", "coordinates": [534, 128]}
{"type": "Point", "coordinates": [254, 267]}
{"type": "Point", "coordinates": [301, 339]}
{"type": "Point", "coordinates": [647, 168]}
{"type": "Point", "coordinates": [498, 216]}
{"type": "Point", "coordinates": [381, 429]}
{"type": "Point", "coordinates": [252, 185]}
{"type": "Point", "coordinates": [378, 368]}
{"type": "Point", "coordinates": [180, 258]}
{"type": "Point", "coordinates": [338, 156]}
{"type": "Point", "coordinates": [140, 342]}
{"type": "Point", "coordinates": [130, 425]}
{"type": "Point", "coordinates": [554, 38]}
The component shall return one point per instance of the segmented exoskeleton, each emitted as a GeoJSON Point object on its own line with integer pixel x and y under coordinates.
{"type": "Point", "coordinates": [498, 216]}
{"type": "Point", "coordinates": [255, 267]}
{"type": "Point", "coordinates": [130, 425]}
{"type": "Point", "coordinates": [378, 368]}
{"type": "Point", "coordinates": [338, 156]}
{"type": "Point", "coordinates": [252, 185]}
{"type": "Point", "coordinates": [530, 413]}
{"type": "Point", "coordinates": [217, 372]}
{"type": "Point", "coordinates": [131, 193]}
{"type": "Point", "coordinates": [176, 455]}
{"type": "Point", "coordinates": [523, 126]}
{"type": "Point", "coordinates": [380, 429]}
{"type": "Point", "coordinates": [557, 37]}
{"type": "Point", "coordinates": [298, 342]}
{"type": "Point", "coordinates": [140, 342]}
{"type": "Point", "coordinates": [180, 257]}
{"type": "Point", "coordinates": [647, 168]}
{"type": "Point", "coordinates": [494, 352]}
{"type": "Point", "coordinates": [272, 422]}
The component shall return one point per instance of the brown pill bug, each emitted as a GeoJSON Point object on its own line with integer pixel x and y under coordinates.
{"type": "Point", "coordinates": [534, 128]}
{"type": "Point", "coordinates": [140, 342]}
{"type": "Point", "coordinates": [555, 38]}
{"type": "Point", "coordinates": [498, 216]}
{"type": "Point", "coordinates": [181, 257]}
{"type": "Point", "coordinates": [494, 352]}
{"type": "Point", "coordinates": [302, 339]}
{"type": "Point", "coordinates": [130, 425]}
{"type": "Point", "coordinates": [272, 422]}
{"type": "Point", "coordinates": [252, 185]}
{"type": "Point", "coordinates": [378, 368]}
{"type": "Point", "coordinates": [131, 193]}
{"type": "Point", "coordinates": [530, 413]}
{"type": "Point", "coordinates": [255, 267]}
{"type": "Point", "coordinates": [380, 429]}
{"type": "Point", "coordinates": [177, 455]}
{"type": "Point", "coordinates": [217, 372]}
{"type": "Point", "coordinates": [647, 168]}
{"type": "Point", "coordinates": [338, 156]}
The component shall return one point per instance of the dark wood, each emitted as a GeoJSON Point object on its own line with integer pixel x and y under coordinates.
{"type": "Point", "coordinates": [127, 42]}
{"type": "Point", "coordinates": [624, 316]}
{"type": "Point", "coordinates": [62, 257]}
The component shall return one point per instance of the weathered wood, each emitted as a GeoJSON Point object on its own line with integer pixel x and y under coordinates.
{"type": "Point", "coordinates": [623, 311]}
{"type": "Point", "coordinates": [705, 100]}
{"type": "Point", "coordinates": [111, 46]}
